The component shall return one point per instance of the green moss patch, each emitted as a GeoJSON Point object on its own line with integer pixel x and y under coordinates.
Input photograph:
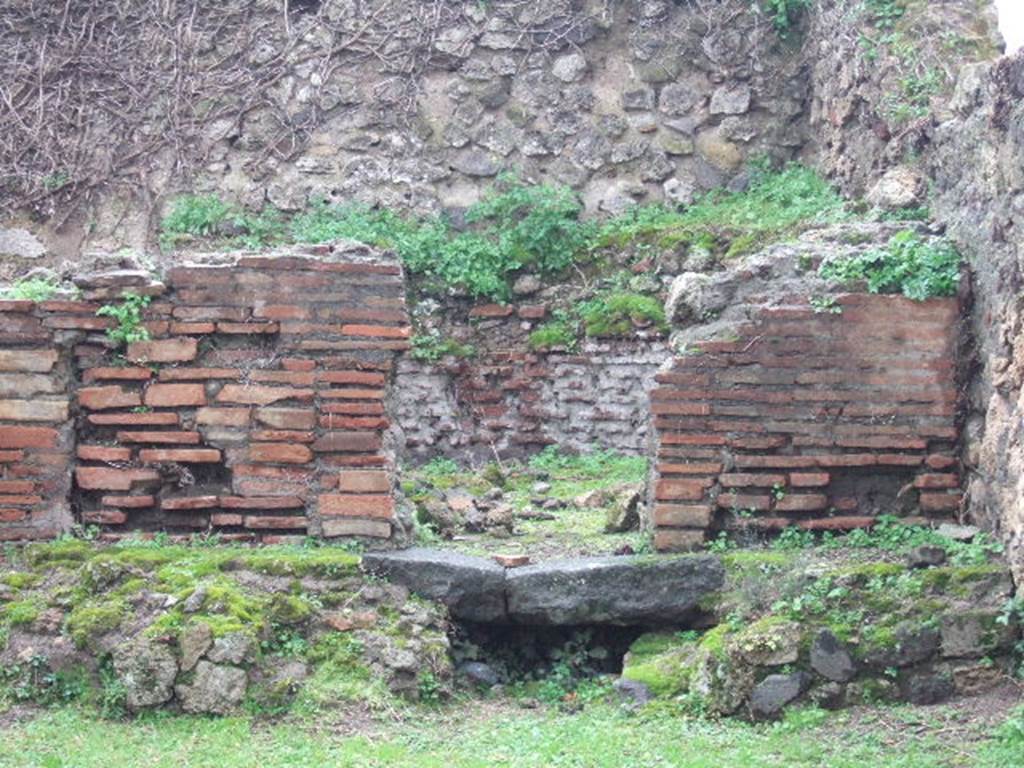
{"type": "Point", "coordinates": [89, 621]}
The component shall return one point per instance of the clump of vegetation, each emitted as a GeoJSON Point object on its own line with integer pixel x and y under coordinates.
{"type": "Point", "coordinates": [128, 315]}
{"type": "Point", "coordinates": [558, 333]}
{"type": "Point", "coordinates": [908, 264]}
{"type": "Point", "coordinates": [784, 14]}
{"type": "Point", "coordinates": [32, 289]}
{"type": "Point", "coordinates": [193, 216]}
{"type": "Point", "coordinates": [515, 226]}
{"type": "Point", "coordinates": [888, 534]}
{"type": "Point", "coordinates": [619, 314]}
{"type": "Point", "coordinates": [778, 204]}
{"type": "Point", "coordinates": [520, 227]}
{"type": "Point", "coordinates": [204, 216]}
{"type": "Point", "coordinates": [431, 347]}
{"type": "Point", "coordinates": [611, 313]}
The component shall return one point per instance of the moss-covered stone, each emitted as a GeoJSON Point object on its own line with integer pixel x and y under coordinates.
{"type": "Point", "coordinates": [288, 610]}
{"type": "Point", "coordinates": [662, 662]}
{"type": "Point", "coordinates": [20, 580]}
{"type": "Point", "coordinates": [90, 620]}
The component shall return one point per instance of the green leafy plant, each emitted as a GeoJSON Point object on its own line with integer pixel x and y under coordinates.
{"type": "Point", "coordinates": [55, 181]}
{"type": "Point", "coordinates": [721, 543]}
{"type": "Point", "coordinates": [429, 688]}
{"type": "Point", "coordinates": [193, 216]}
{"type": "Point", "coordinates": [784, 14]}
{"type": "Point", "coordinates": [792, 537]}
{"type": "Point", "coordinates": [515, 226]}
{"type": "Point", "coordinates": [909, 265]}
{"type": "Point", "coordinates": [883, 14]}
{"type": "Point", "coordinates": [207, 216]}
{"type": "Point", "coordinates": [439, 467]}
{"type": "Point", "coordinates": [128, 315]}
{"type": "Point", "coordinates": [113, 696]}
{"type": "Point", "coordinates": [32, 289]}
{"type": "Point", "coordinates": [825, 305]}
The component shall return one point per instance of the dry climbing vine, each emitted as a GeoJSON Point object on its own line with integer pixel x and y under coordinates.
{"type": "Point", "coordinates": [97, 95]}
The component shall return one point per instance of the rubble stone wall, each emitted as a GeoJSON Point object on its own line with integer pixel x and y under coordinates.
{"type": "Point", "coordinates": [507, 400]}
{"type": "Point", "coordinates": [976, 159]}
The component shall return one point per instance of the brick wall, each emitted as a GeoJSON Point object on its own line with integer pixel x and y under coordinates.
{"type": "Point", "coordinates": [36, 432]}
{"type": "Point", "coordinates": [257, 409]}
{"type": "Point", "coordinates": [514, 401]}
{"type": "Point", "coordinates": [815, 419]}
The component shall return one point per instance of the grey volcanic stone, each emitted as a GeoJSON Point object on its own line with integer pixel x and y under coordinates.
{"type": "Point", "coordinates": [20, 244]}
{"type": "Point", "coordinates": [215, 690]}
{"type": "Point", "coordinates": [775, 692]}
{"type": "Point", "coordinates": [730, 100]}
{"type": "Point", "coordinates": [926, 556]}
{"type": "Point", "coordinates": [479, 673]}
{"type": "Point", "coordinates": [147, 670]}
{"type": "Point", "coordinates": [631, 690]}
{"type": "Point", "coordinates": [195, 640]}
{"type": "Point", "coordinates": [829, 658]}
{"type": "Point", "coordinates": [233, 648]}
{"type": "Point", "coordinates": [473, 588]}
{"type": "Point", "coordinates": [914, 644]}
{"type": "Point", "coordinates": [927, 688]}
{"type": "Point", "coordinates": [611, 590]}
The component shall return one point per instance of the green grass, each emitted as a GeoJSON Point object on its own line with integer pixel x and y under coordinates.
{"type": "Point", "coordinates": [488, 735]}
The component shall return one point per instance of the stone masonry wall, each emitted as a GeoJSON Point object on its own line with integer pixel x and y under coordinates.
{"type": "Point", "coordinates": [976, 159]}
{"type": "Point", "coordinates": [624, 101]}
{"type": "Point", "coordinates": [821, 420]}
{"type": "Point", "coordinates": [507, 400]}
{"type": "Point", "coordinates": [256, 411]}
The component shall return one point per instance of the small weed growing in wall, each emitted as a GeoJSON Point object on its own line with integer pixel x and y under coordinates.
{"type": "Point", "coordinates": [431, 347]}
{"type": "Point", "coordinates": [204, 216]}
{"type": "Point", "coordinates": [825, 305]}
{"type": "Point", "coordinates": [552, 335]}
{"type": "Point", "coordinates": [783, 14]}
{"type": "Point", "coordinates": [777, 204]}
{"type": "Point", "coordinates": [909, 265]}
{"type": "Point", "coordinates": [128, 315]}
{"type": "Point", "coordinates": [193, 216]}
{"type": "Point", "coordinates": [32, 289]}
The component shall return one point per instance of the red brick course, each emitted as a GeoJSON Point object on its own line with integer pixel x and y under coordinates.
{"type": "Point", "coordinates": [804, 410]}
{"type": "Point", "coordinates": [208, 427]}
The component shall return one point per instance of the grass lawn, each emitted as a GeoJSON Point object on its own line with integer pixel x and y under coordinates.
{"type": "Point", "coordinates": [475, 734]}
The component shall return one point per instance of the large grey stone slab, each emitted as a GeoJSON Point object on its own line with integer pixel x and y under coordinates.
{"type": "Point", "coordinates": [611, 590]}
{"type": "Point", "coordinates": [473, 588]}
